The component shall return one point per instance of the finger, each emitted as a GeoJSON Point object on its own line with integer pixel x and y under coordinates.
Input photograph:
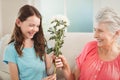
{"type": "Point", "coordinates": [58, 60]}
{"type": "Point", "coordinates": [63, 59]}
{"type": "Point", "coordinates": [52, 77]}
{"type": "Point", "coordinates": [58, 65]}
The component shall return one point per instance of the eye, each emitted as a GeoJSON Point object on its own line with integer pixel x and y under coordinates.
{"type": "Point", "coordinates": [100, 30]}
{"type": "Point", "coordinates": [38, 26]}
{"type": "Point", "coordinates": [31, 25]}
{"type": "Point", "coordinates": [94, 29]}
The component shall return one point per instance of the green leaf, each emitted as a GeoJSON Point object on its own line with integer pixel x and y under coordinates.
{"type": "Point", "coordinates": [49, 50]}
{"type": "Point", "coordinates": [52, 37]}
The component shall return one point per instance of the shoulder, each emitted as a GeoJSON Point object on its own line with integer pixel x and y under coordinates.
{"type": "Point", "coordinates": [89, 49]}
{"type": "Point", "coordinates": [90, 46]}
{"type": "Point", "coordinates": [11, 44]}
{"type": "Point", "coordinates": [10, 48]}
{"type": "Point", "coordinates": [93, 43]}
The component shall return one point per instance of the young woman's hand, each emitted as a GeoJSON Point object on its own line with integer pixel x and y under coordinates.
{"type": "Point", "coordinates": [51, 77]}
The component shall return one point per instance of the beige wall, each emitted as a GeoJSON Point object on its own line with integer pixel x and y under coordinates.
{"type": "Point", "coordinates": [106, 3]}
{"type": "Point", "coordinates": [0, 18]}
{"type": "Point", "coordinates": [9, 13]}
{"type": "Point", "coordinates": [9, 9]}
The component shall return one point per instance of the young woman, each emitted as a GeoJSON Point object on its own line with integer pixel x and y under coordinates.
{"type": "Point", "coordinates": [25, 53]}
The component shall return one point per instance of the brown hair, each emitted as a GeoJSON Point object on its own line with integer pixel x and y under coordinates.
{"type": "Point", "coordinates": [17, 36]}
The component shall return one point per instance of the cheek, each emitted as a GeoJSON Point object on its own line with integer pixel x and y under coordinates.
{"type": "Point", "coordinates": [110, 36]}
{"type": "Point", "coordinates": [107, 38]}
{"type": "Point", "coordinates": [101, 35]}
{"type": "Point", "coordinates": [22, 29]}
{"type": "Point", "coordinates": [37, 29]}
{"type": "Point", "coordinates": [29, 28]}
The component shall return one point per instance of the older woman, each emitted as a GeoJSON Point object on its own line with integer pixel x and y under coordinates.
{"type": "Point", "coordinates": [100, 59]}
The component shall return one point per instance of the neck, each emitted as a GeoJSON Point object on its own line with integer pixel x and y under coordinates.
{"type": "Point", "coordinates": [109, 53]}
{"type": "Point", "coordinates": [113, 47]}
{"type": "Point", "coordinates": [28, 43]}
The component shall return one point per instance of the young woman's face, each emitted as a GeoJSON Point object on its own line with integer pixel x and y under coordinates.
{"type": "Point", "coordinates": [104, 37]}
{"type": "Point", "coordinates": [30, 26]}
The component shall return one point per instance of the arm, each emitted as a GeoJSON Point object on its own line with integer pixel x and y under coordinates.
{"type": "Point", "coordinates": [72, 75]}
{"type": "Point", "coordinates": [49, 65]}
{"type": "Point", "coordinates": [47, 61]}
{"type": "Point", "coordinates": [68, 73]}
{"type": "Point", "coordinates": [61, 62]}
{"type": "Point", "coordinates": [13, 71]}
{"type": "Point", "coordinates": [76, 72]}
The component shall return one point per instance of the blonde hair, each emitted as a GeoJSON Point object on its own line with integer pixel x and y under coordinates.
{"type": "Point", "coordinates": [109, 16]}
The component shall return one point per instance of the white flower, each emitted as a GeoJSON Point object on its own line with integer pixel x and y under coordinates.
{"type": "Point", "coordinates": [57, 30]}
{"type": "Point", "coordinates": [61, 19]}
{"type": "Point", "coordinates": [53, 24]}
{"type": "Point", "coordinates": [60, 27]}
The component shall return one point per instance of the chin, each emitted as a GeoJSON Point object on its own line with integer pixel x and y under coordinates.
{"type": "Point", "coordinates": [99, 44]}
{"type": "Point", "coordinates": [30, 37]}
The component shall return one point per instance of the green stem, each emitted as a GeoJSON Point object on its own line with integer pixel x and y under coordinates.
{"type": "Point", "coordinates": [54, 70]}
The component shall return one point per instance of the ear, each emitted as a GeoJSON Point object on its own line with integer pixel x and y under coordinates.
{"type": "Point", "coordinates": [18, 22]}
{"type": "Point", "coordinates": [118, 32]}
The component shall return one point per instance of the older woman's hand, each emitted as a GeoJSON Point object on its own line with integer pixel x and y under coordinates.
{"type": "Point", "coordinates": [61, 62]}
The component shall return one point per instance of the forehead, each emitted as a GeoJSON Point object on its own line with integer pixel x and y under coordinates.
{"type": "Point", "coordinates": [102, 25]}
{"type": "Point", "coordinates": [33, 19]}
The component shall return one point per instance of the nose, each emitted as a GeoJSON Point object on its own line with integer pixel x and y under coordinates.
{"type": "Point", "coordinates": [95, 34]}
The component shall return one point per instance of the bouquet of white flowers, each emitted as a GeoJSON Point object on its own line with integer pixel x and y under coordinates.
{"type": "Point", "coordinates": [57, 30]}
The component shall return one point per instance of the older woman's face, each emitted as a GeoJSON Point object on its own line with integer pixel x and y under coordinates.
{"type": "Point", "coordinates": [104, 37]}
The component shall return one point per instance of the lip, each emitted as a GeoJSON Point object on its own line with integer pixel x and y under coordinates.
{"type": "Point", "coordinates": [99, 39]}
{"type": "Point", "coordinates": [31, 33]}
